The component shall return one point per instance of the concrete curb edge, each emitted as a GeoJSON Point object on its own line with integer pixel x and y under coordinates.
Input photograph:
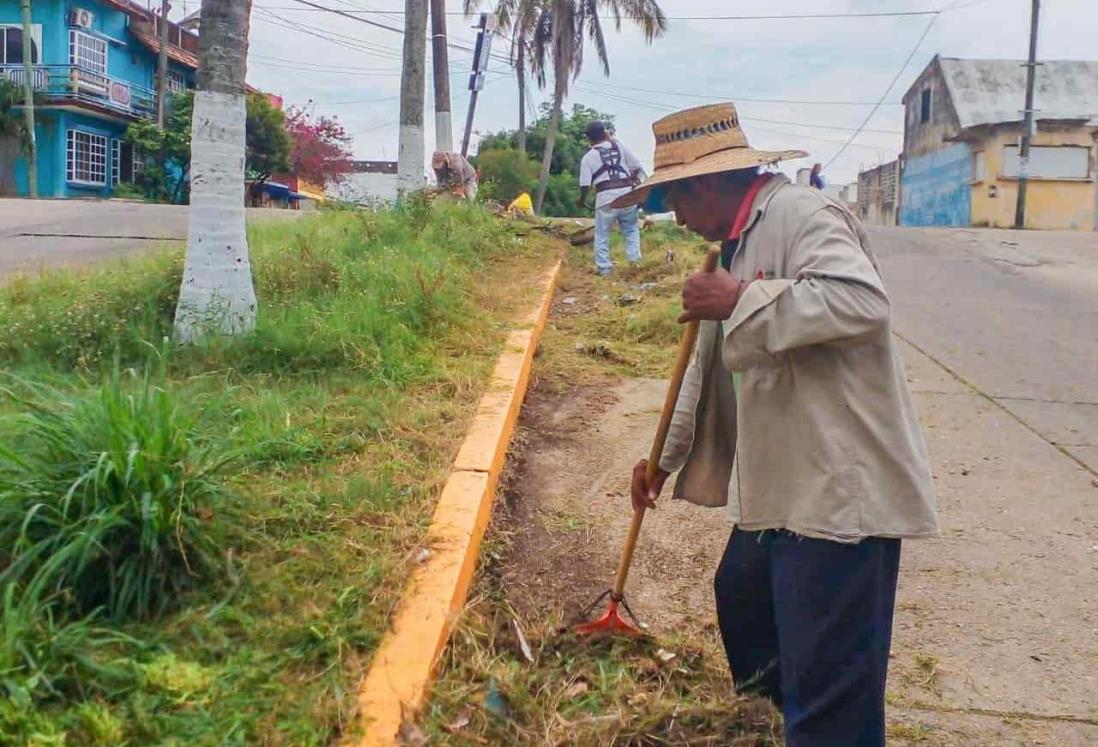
{"type": "Point", "coordinates": [397, 681]}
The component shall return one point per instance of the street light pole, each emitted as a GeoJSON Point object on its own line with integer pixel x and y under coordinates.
{"type": "Point", "coordinates": [28, 102]}
{"type": "Point", "coordinates": [444, 129]}
{"type": "Point", "coordinates": [1027, 120]}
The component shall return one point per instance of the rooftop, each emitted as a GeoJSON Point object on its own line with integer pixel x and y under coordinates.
{"type": "Point", "coordinates": [993, 91]}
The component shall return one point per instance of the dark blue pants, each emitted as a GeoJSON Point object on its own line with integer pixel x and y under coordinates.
{"type": "Point", "coordinates": [807, 623]}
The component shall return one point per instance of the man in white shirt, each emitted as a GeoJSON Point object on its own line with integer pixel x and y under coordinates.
{"type": "Point", "coordinates": [612, 170]}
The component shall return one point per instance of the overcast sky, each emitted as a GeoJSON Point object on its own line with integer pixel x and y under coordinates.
{"type": "Point", "coordinates": [357, 76]}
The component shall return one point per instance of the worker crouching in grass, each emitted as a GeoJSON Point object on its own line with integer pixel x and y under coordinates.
{"type": "Point", "coordinates": [832, 469]}
{"type": "Point", "coordinates": [455, 174]}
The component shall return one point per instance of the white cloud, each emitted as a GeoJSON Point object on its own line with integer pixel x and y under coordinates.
{"type": "Point", "coordinates": [818, 59]}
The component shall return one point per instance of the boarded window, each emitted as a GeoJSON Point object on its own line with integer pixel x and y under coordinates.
{"type": "Point", "coordinates": [1050, 162]}
{"type": "Point", "coordinates": [979, 166]}
{"type": "Point", "coordinates": [924, 107]}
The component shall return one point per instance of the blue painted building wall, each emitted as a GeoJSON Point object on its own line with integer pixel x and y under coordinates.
{"type": "Point", "coordinates": [127, 61]}
{"type": "Point", "coordinates": [936, 188]}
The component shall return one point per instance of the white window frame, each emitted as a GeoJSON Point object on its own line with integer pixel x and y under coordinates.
{"type": "Point", "coordinates": [90, 55]}
{"type": "Point", "coordinates": [93, 148]}
{"type": "Point", "coordinates": [36, 43]}
{"type": "Point", "coordinates": [116, 162]}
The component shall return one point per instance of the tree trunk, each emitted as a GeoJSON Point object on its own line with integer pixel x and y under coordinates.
{"type": "Point", "coordinates": [551, 138]}
{"type": "Point", "coordinates": [520, 70]}
{"type": "Point", "coordinates": [411, 155]}
{"type": "Point", "coordinates": [217, 295]}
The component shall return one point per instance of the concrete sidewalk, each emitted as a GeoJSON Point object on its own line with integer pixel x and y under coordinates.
{"type": "Point", "coordinates": [996, 623]}
{"type": "Point", "coordinates": [40, 233]}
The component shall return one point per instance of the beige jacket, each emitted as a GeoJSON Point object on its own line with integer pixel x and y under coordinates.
{"type": "Point", "coordinates": [829, 444]}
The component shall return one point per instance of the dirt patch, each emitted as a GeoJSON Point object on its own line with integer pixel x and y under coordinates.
{"type": "Point", "coordinates": [569, 498]}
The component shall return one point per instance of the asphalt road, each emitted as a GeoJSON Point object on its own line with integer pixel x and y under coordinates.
{"type": "Point", "coordinates": [1014, 314]}
{"type": "Point", "coordinates": [37, 233]}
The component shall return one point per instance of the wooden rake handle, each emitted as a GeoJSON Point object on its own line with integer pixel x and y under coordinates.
{"type": "Point", "coordinates": [686, 350]}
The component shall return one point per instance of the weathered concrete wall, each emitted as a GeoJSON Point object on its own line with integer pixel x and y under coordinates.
{"type": "Point", "coordinates": [921, 137]}
{"type": "Point", "coordinates": [937, 188]}
{"type": "Point", "coordinates": [1064, 204]}
{"type": "Point", "coordinates": [878, 195]}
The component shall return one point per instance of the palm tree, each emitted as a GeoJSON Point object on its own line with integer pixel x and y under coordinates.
{"type": "Point", "coordinates": [217, 295]}
{"type": "Point", "coordinates": [558, 37]}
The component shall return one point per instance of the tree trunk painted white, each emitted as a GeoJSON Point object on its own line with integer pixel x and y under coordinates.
{"type": "Point", "coordinates": [217, 296]}
{"type": "Point", "coordinates": [411, 154]}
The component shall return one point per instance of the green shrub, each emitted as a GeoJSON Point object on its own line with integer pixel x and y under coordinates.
{"type": "Point", "coordinates": [108, 498]}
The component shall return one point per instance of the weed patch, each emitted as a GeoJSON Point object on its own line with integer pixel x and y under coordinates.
{"type": "Point", "coordinates": [203, 545]}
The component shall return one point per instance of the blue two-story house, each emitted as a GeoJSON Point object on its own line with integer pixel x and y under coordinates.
{"type": "Point", "coordinates": [95, 72]}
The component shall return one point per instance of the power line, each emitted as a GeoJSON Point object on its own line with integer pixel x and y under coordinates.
{"type": "Point", "coordinates": [352, 15]}
{"type": "Point", "coordinates": [722, 97]}
{"type": "Point", "coordinates": [757, 17]}
{"type": "Point", "coordinates": [668, 107]}
{"type": "Point", "coordinates": [665, 107]}
{"type": "Point", "coordinates": [887, 91]}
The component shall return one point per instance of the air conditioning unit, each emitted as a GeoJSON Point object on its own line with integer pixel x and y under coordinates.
{"type": "Point", "coordinates": [82, 18]}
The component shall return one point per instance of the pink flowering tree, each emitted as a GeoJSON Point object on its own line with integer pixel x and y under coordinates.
{"type": "Point", "coordinates": [321, 152]}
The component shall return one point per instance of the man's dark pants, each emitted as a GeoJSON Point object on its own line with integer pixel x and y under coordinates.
{"type": "Point", "coordinates": [808, 624]}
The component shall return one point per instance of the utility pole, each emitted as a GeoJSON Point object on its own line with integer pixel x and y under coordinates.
{"type": "Point", "coordinates": [1027, 120]}
{"type": "Point", "coordinates": [411, 156]}
{"type": "Point", "coordinates": [28, 102]}
{"type": "Point", "coordinates": [444, 129]}
{"type": "Point", "coordinates": [520, 70]}
{"type": "Point", "coordinates": [482, 52]}
{"type": "Point", "coordinates": [162, 66]}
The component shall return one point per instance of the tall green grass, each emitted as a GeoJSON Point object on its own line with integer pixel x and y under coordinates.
{"type": "Point", "coordinates": [298, 462]}
{"type": "Point", "coordinates": [109, 496]}
{"type": "Point", "coordinates": [351, 290]}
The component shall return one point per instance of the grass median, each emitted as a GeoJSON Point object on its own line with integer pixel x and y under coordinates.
{"type": "Point", "coordinates": [203, 545]}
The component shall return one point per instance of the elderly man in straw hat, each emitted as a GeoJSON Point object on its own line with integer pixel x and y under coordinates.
{"type": "Point", "coordinates": [795, 382]}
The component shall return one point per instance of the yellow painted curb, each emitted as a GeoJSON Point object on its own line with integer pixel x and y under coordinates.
{"type": "Point", "coordinates": [395, 685]}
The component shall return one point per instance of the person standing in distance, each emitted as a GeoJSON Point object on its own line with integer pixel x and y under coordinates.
{"type": "Point", "coordinates": [612, 170]}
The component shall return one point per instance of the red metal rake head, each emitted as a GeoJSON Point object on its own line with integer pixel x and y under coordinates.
{"type": "Point", "coordinates": [611, 623]}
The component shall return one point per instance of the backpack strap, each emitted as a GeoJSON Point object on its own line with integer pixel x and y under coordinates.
{"type": "Point", "coordinates": [611, 162]}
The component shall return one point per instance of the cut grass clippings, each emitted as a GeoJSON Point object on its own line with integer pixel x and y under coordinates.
{"type": "Point", "coordinates": [560, 690]}
{"type": "Point", "coordinates": [604, 329]}
{"type": "Point", "coordinates": [332, 426]}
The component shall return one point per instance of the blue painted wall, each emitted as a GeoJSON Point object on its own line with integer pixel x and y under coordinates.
{"type": "Point", "coordinates": [127, 60]}
{"type": "Point", "coordinates": [936, 188]}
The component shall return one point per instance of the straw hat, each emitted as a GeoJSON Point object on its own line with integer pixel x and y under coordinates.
{"type": "Point", "coordinates": [702, 140]}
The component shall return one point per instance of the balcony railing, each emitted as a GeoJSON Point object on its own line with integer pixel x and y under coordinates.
{"type": "Point", "coordinates": [76, 83]}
